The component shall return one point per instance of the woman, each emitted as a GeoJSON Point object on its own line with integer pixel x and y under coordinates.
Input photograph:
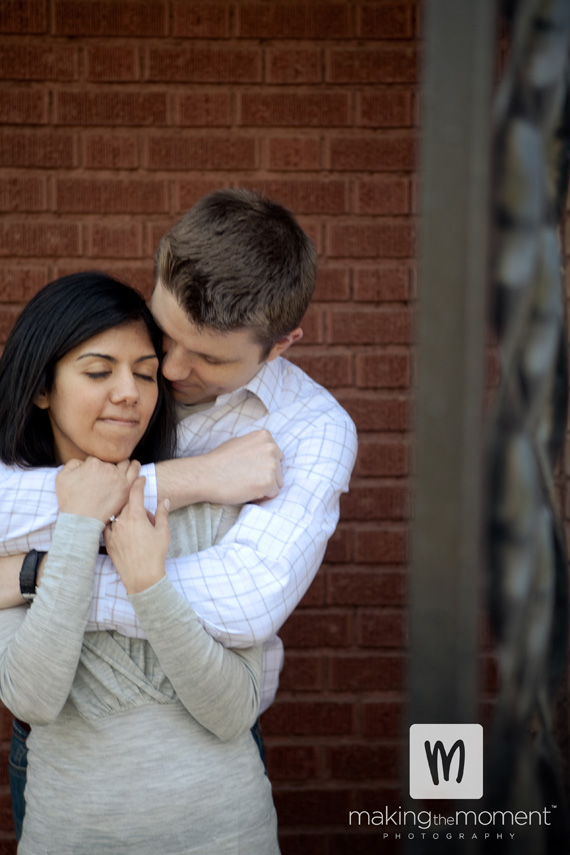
{"type": "Point", "coordinates": [82, 370]}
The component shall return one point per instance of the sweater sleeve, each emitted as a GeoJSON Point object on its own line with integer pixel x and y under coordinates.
{"type": "Point", "coordinates": [220, 688]}
{"type": "Point", "coordinates": [40, 644]}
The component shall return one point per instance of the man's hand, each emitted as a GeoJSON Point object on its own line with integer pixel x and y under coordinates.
{"type": "Point", "coordinates": [91, 488]}
{"type": "Point", "coordinates": [244, 469]}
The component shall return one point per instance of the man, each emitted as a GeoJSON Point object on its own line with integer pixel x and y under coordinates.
{"type": "Point", "coordinates": [233, 279]}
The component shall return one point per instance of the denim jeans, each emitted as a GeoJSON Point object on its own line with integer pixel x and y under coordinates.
{"type": "Point", "coordinates": [17, 767]}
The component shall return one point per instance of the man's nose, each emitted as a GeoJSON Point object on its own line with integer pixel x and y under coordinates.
{"type": "Point", "coordinates": [177, 365]}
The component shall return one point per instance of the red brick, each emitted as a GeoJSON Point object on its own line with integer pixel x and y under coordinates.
{"type": "Point", "coordinates": [329, 370]}
{"type": "Point", "coordinates": [112, 63]}
{"type": "Point", "coordinates": [339, 547]}
{"type": "Point", "coordinates": [302, 672]}
{"type": "Point", "coordinates": [388, 195]}
{"type": "Point", "coordinates": [111, 108]}
{"type": "Point", "coordinates": [114, 240]}
{"type": "Point", "coordinates": [373, 154]}
{"type": "Point", "coordinates": [312, 326]}
{"type": "Point", "coordinates": [389, 283]}
{"type": "Point", "coordinates": [8, 315]}
{"type": "Point", "coordinates": [155, 232]}
{"type": "Point", "coordinates": [389, 108]}
{"type": "Point", "coordinates": [295, 843]}
{"type": "Point", "coordinates": [316, 629]}
{"type": "Point", "coordinates": [378, 240]}
{"type": "Point", "coordinates": [291, 762]}
{"type": "Point", "coordinates": [305, 196]}
{"type": "Point", "coordinates": [387, 458]}
{"type": "Point", "coordinates": [204, 109]}
{"type": "Point", "coordinates": [382, 628]}
{"type": "Point", "coordinates": [110, 18]}
{"type": "Point", "coordinates": [296, 153]}
{"type": "Point", "coordinates": [39, 239]}
{"type": "Point", "coordinates": [361, 762]}
{"type": "Point", "coordinates": [294, 109]}
{"type": "Point", "coordinates": [33, 62]}
{"type": "Point", "coordinates": [376, 413]}
{"type": "Point", "coordinates": [300, 65]}
{"type": "Point", "coordinates": [102, 151]}
{"type": "Point", "coordinates": [379, 326]}
{"type": "Point", "coordinates": [388, 21]}
{"type": "Point", "coordinates": [200, 20]}
{"type": "Point", "coordinates": [383, 370]}
{"type": "Point", "coordinates": [312, 806]}
{"type": "Point", "coordinates": [22, 194]}
{"type": "Point", "coordinates": [300, 20]}
{"type": "Point", "coordinates": [383, 718]}
{"type": "Point", "coordinates": [188, 192]}
{"type": "Point", "coordinates": [365, 672]}
{"type": "Point", "coordinates": [378, 65]}
{"type": "Point", "coordinates": [333, 283]}
{"type": "Point", "coordinates": [380, 547]}
{"type": "Point", "coordinates": [19, 284]}
{"type": "Point", "coordinates": [23, 107]}
{"type": "Point", "coordinates": [375, 503]}
{"type": "Point", "coordinates": [138, 276]}
{"type": "Point", "coordinates": [201, 153]}
{"type": "Point", "coordinates": [368, 587]}
{"type": "Point", "coordinates": [315, 596]}
{"type": "Point", "coordinates": [23, 16]}
{"type": "Point", "coordinates": [308, 718]}
{"type": "Point", "coordinates": [111, 196]}
{"type": "Point", "coordinates": [204, 65]}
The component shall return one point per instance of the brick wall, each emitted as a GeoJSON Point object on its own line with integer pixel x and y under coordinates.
{"type": "Point", "coordinates": [116, 115]}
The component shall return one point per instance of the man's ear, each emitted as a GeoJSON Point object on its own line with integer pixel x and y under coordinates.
{"type": "Point", "coordinates": [42, 401]}
{"type": "Point", "coordinates": [282, 344]}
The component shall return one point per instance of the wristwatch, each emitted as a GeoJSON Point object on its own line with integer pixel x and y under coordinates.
{"type": "Point", "coordinates": [29, 574]}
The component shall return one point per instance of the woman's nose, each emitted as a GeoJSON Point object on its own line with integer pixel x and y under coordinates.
{"type": "Point", "coordinates": [125, 388]}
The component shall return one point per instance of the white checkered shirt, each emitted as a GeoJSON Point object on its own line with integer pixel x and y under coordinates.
{"type": "Point", "coordinates": [244, 588]}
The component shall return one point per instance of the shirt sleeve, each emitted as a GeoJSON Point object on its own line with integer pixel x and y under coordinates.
{"type": "Point", "coordinates": [222, 687]}
{"type": "Point", "coordinates": [40, 644]}
{"type": "Point", "coordinates": [244, 588]}
{"type": "Point", "coordinates": [29, 508]}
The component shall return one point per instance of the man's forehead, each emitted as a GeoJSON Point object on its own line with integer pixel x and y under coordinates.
{"type": "Point", "coordinates": [175, 323]}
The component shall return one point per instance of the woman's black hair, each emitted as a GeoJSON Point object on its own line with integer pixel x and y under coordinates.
{"type": "Point", "coordinates": [59, 318]}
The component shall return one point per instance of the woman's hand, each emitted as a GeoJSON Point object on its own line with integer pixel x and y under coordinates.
{"type": "Point", "coordinates": [91, 488]}
{"type": "Point", "coordinates": [137, 542]}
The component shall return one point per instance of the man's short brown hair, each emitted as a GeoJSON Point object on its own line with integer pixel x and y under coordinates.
{"type": "Point", "coordinates": [239, 261]}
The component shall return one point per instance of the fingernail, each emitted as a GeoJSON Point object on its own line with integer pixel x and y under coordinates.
{"type": "Point", "coordinates": [167, 504]}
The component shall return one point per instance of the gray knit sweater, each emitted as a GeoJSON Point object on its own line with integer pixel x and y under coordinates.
{"type": "Point", "coordinates": [137, 746]}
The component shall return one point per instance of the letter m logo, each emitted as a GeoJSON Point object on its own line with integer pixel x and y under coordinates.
{"type": "Point", "coordinates": [446, 761]}
{"type": "Point", "coordinates": [438, 750]}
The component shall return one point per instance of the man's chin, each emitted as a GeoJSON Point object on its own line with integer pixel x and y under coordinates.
{"type": "Point", "coordinates": [190, 395]}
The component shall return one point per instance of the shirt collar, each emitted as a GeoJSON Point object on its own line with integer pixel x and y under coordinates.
{"type": "Point", "coordinates": [265, 385]}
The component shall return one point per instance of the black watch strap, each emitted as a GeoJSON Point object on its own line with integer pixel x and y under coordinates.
{"type": "Point", "coordinates": [29, 574]}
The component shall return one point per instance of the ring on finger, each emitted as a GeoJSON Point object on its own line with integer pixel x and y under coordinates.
{"type": "Point", "coordinates": [112, 520]}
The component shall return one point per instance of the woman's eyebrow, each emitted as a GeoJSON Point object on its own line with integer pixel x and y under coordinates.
{"type": "Point", "coordinates": [112, 358]}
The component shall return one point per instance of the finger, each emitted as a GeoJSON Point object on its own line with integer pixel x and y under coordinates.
{"type": "Point", "coordinates": [132, 472]}
{"type": "Point", "coordinates": [123, 466]}
{"type": "Point", "coordinates": [72, 464]}
{"type": "Point", "coordinates": [161, 515]}
{"type": "Point", "coordinates": [136, 495]}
